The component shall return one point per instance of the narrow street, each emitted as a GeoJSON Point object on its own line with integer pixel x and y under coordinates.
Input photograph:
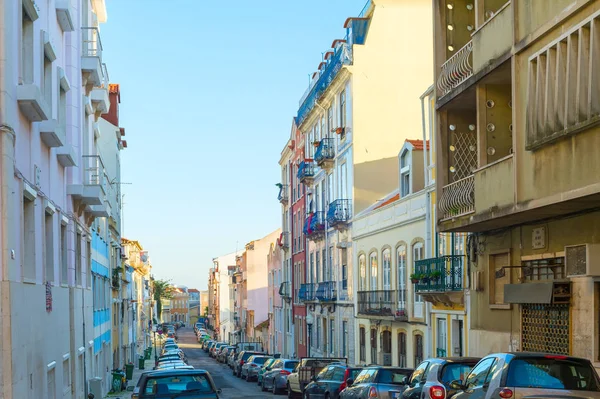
{"type": "Point", "coordinates": [232, 387]}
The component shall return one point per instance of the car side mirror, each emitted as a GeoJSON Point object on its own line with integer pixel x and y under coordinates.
{"type": "Point", "coordinates": [349, 382]}
{"type": "Point", "coordinates": [313, 378]}
{"type": "Point", "coordinates": [219, 391]}
{"type": "Point", "coordinates": [457, 384]}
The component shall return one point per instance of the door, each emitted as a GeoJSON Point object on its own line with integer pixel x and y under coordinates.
{"type": "Point", "coordinates": [418, 300]}
{"type": "Point", "coordinates": [457, 338]}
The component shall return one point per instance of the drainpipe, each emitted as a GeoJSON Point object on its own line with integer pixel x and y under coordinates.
{"type": "Point", "coordinates": [428, 222]}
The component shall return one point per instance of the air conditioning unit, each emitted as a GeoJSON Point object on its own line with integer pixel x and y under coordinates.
{"type": "Point", "coordinates": [95, 387]}
{"type": "Point", "coordinates": [582, 260]}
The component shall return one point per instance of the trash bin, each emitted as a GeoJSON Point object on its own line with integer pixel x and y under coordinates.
{"type": "Point", "coordinates": [129, 371]}
{"type": "Point", "coordinates": [148, 353]}
{"type": "Point", "coordinates": [116, 381]}
{"type": "Point", "coordinates": [141, 362]}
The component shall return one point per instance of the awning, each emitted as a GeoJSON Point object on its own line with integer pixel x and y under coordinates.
{"type": "Point", "coordinates": [528, 293]}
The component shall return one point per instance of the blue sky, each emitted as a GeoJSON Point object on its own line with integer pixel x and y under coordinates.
{"type": "Point", "coordinates": [208, 92]}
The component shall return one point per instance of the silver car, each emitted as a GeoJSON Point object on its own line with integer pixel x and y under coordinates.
{"type": "Point", "coordinates": [251, 368]}
{"type": "Point", "coordinates": [521, 375]}
{"type": "Point", "coordinates": [276, 379]}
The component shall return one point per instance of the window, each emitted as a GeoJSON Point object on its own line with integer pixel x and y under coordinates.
{"type": "Point", "coordinates": [28, 239]}
{"type": "Point", "coordinates": [88, 263]}
{"type": "Point", "coordinates": [418, 348]}
{"type": "Point", "coordinates": [387, 270]}
{"type": "Point", "coordinates": [401, 349]}
{"type": "Point", "coordinates": [401, 259]}
{"type": "Point", "coordinates": [49, 246]}
{"type": "Point", "coordinates": [342, 111]}
{"type": "Point", "coordinates": [373, 345]}
{"type": "Point", "coordinates": [318, 268]}
{"type": "Point", "coordinates": [47, 80]}
{"type": "Point", "coordinates": [66, 376]}
{"type": "Point", "coordinates": [459, 243]}
{"type": "Point", "coordinates": [311, 276]}
{"type": "Point", "coordinates": [543, 269]}
{"type": "Point", "coordinates": [318, 333]}
{"type": "Point", "coordinates": [323, 133]}
{"type": "Point", "coordinates": [329, 119]}
{"type": "Point", "coordinates": [344, 269]}
{"type": "Point", "coordinates": [330, 189]}
{"type": "Point", "coordinates": [442, 244]}
{"type": "Point", "coordinates": [478, 375]}
{"type": "Point", "coordinates": [362, 267]}
{"type": "Point", "coordinates": [418, 301]}
{"type": "Point", "coordinates": [405, 162]}
{"type": "Point", "coordinates": [78, 259]}
{"type": "Point", "coordinates": [362, 344]}
{"type": "Point", "coordinates": [343, 181]}
{"type": "Point", "coordinates": [441, 338]}
{"type": "Point", "coordinates": [332, 335]}
{"type": "Point", "coordinates": [373, 262]}
{"type": "Point", "coordinates": [52, 384]}
{"type": "Point", "coordinates": [543, 373]}
{"type": "Point", "coordinates": [330, 276]}
{"type": "Point", "coordinates": [325, 266]}
{"type": "Point", "coordinates": [344, 338]}
{"type": "Point", "coordinates": [498, 277]}
{"type": "Point", "coordinates": [26, 48]}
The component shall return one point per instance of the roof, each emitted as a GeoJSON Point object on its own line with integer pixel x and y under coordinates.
{"type": "Point", "coordinates": [388, 201]}
{"type": "Point", "coordinates": [262, 325]}
{"type": "Point", "coordinates": [417, 144]}
{"type": "Point", "coordinates": [193, 290]}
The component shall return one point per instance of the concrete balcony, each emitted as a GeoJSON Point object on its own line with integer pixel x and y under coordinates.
{"type": "Point", "coordinates": [65, 15]}
{"type": "Point", "coordinates": [381, 305]}
{"type": "Point", "coordinates": [99, 96]}
{"type": "Point", "coordinates": [494, 186]}
{"type": "Point", "coordinates": [493, 39]}
{"type": "Point", "coordinates": [93, 189]}
{"type": "Point", "coordinates": [99, 211]}
{"type": "Point", "coordinates": [52, 134]}
{"type": "Point", "coordinates": [325, 153]}
{"type": "Point", "coordinates": [66, 156]}
{"type": "Point", "coordinates": [91, 56]}
{"type": "Point", "coordinates": [32, 103]}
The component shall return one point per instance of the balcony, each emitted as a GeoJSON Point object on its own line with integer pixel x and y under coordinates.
{"type": "Point", "coordinates": [91, 56]}
{"type": "Point", "coordinates": [65, 15]}
{"type": "Point", "coordinates": [284, 193]}
{"type": "Point", "coordinates": [66, 156]}
{"type": "Point", "coordinates": [325, 153]}
{"type": "Point", "coordinates": [458, 198]}
{"type": "Point", "coordinates": [99, 97]}
{"type": "Point", "coordinates": [439, 352]}
{"type": "Point", "coordinates": [306, 172]}
{"type": "Point", "coordinates": [493, 39]}
{"type": "Point", "coordinates": [93, 189]}
{"type": "Point", "coordinates": [456, 70]}
{"type": "Point", "coordinates": [314, 226]}
{"type": "Point", "coordinates": [380, 304]}
{"type": "Point", "coordinates": [32, 103]}
{"type": "Point", "coordinates": [285, 291]}
{"type": "Point", "coordinates": [52, 134]}
{"type": "Point", "coordinates": [342, 56]}
{"type": "Point", "coordinates": [440, 280]}
{"type": "Point", "coordinates": [327, 291]}
{"type": "Point", "coordinates": [308, 292]}
{"type": "Point", "coordinates": [339, 214]}
{"type": "Point", "coordinates": [284, 240]}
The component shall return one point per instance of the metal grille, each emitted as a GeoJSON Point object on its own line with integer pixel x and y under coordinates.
{"type": "Point", "coordinates": [576, 260]}
{"type": "Point", "coordinates": [543, 269]}
{"type": "Point", "coordinates": [464, 154]}
{"type": "Point", "coordinates": [418, 350]}
{"type": "Point", "coordinates": [545, 328]}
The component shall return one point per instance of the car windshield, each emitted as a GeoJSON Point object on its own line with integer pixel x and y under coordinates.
{"type": "Point", "coordinates": [552, 372]}
{"type": "Point", "coordinates": [387, 376]}
{"type": "Point", "coordinates": [290, 365]}
{"type": "Point", "coordinates": [165, 385]}
{"type": "Point", "coordinates": [455, 371]}
{"type": "Point", "coordinates": [260, 360]}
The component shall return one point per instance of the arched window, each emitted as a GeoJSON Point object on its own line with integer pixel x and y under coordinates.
{"type": "Point", "coordinates": [401, 264]}
{"type": "Point", "coordinates": [387, 270]}
{"type": "Point", "coordinates": [417, 254]}
{"type": "Point", "coordinates": [362, 344]}
{"type": "Point", "coordinates": [373, 263]}
{"type": "Point", "coordinates": [401, 349]}
{"type": "Point", "coordinates": [418, 349]}
{"type": "Point", "coordinates": [362, 268]}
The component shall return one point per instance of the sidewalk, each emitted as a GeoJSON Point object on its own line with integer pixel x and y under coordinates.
{"type": "Point", "coordinates": [148, 366]}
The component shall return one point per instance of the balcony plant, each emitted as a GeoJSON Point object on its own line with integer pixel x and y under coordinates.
{"type": "Point", "coordinates": [316, 143]}
{"type": "Point", "coordinates": [415, 277]}
{"type": "Point", "coordinates": [435, 275]}
{"type": "Point", "coordinates": [425, 278]}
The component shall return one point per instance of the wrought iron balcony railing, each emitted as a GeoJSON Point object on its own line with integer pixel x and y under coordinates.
{"type": "Point", "coordinates": [439, 352]}
{"type": "Point", "coordinates": [381, 304]}
{"type": "Point", "coordinates": [441, 274]}
{"type": "Point", "coordinates": [339, 213]}
{"type": "Point", "coordinates": [285, 290]}
{"type": "Point", "coordinates": [314, 225]}
{"type": "Point", "coordinates": [458, 198]}
{"type": "Point", "coordinates": [283, 196]}
{"type": "Point", "coordinates": [342, 56]}
{"type": "Point", "coordinates": [456, 69]}
{"type": "Point", "coordinates": [327, 291]}
{"type": "Point", "coordinates": [308, 292]}
{"type": "Point", "coordinates": [325, 151]}
{"type": "Point", "coordinates": [306, 171]}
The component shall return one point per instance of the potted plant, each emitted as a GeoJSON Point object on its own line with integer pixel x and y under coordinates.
{"type": "Point", "coordinates": [316, 143]}
{"type": "Point", "coordinates": [435, 275]}
{"type": "Point", "coordinates": [339, 130]}
{"type": "Point", "coordinates": [425, 278]}
{"type": "Point", "coordinates": [415, 278]}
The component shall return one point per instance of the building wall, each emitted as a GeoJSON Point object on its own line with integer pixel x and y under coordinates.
{"type": "Point", "coordinates": [226, 323]}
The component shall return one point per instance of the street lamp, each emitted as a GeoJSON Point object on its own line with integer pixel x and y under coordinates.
{"type": "Point", "coordinates": [309, 323]}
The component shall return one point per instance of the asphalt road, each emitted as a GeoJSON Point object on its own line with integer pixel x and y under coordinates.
{"type": "Point", "coordinates": [232, 387]}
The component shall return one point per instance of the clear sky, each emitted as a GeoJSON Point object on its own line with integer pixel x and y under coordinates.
{"type": "Point", "coordinates": [208, 92]}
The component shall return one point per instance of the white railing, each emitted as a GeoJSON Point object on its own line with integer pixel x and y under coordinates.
{"type": "Point", "coordinates": [456, 69]}
{"type": "Point", "coordinates": [91, 43]}
{"type": "Point", "coordinates": [104, 79]}
{"type": "Point", "coordinates": [458, 198]}
{"type": "Point", "coordinates": [94, 173]}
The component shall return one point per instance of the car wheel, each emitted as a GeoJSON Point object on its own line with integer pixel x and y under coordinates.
{"type": "Point", "coordinates": [289, 392]}
{"type": "Point", "coordinates": [274, 388]}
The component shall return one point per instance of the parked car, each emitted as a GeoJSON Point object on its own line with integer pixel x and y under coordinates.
{"type": "Point", "coordinates": [529, 375]}
{"type": "Point", "coordinates": [378, 382]}
{"type": "Point", "coordinates": [331, 381]}
{"type": "Point", "coordinates": [433, 376]}
{"type": "Point", "coordinates": [252, 366]}
{"type": "Point", "coordinates": [222, 354]}
{"type": "Point", "coordinates": [276, 379]}
{"type": "Point", "coordinates": [232, 359]}
{"type": "Point", "coordinates": [306, 370]}
{"type": "Point", "coordinates": [206, 344]}
{"type": "Point", "coordinates": [214, 350]}
{"type": "Point", "coordinates": [265, 367]}
{"type": "Point", "coordinates": [183, 383]}
{"type": "Point", "coordinates": [241, 359]}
